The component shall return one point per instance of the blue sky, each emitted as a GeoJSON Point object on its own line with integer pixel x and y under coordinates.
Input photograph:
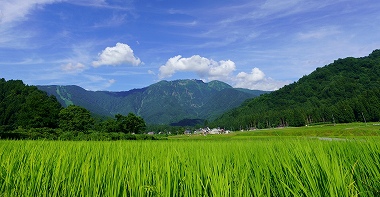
{"type": "Point", "coordinates": [120, 44]}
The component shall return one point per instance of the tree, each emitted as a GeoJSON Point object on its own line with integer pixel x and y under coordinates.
{"type": "Point", "coordinates": [297, 118]}
{"type": "Point", "coordinates": [107, 126]}
{"type": "Point", "coordinates": [39, 111]}
{"type": "Point", "coordinates": [75, 118]}
{"type": "Point", "coordinates": [130, 123]}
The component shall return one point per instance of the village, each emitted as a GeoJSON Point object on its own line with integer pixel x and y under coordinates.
{"type": "Point", "coordinates": [200, 131]}
{"type": "Point", "coordinates": [207, 130]}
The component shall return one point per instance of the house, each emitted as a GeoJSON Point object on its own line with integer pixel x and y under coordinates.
{"type": "Point", "coordinates": [214, 131]}
{"type": "Point", "coordinates": [187, 132]}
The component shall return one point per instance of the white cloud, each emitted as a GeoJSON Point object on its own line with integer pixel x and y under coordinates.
{"type": "Point", "coordinates": [203, 67]}
{"type": "Point", "coordinates": [12, 13]}
{"type": "Point", "coordinates": [223, 69]}
{"type": "Point", "coordinates": [17, 10]}
{"type": "Point", "coordinates": [119, 54]}
{"type": "Point", "coordinates": [208, 69]}
{"type": "Point", "coordinates": [73, 68]}
{"type": "Point", "coordinates": [254, 76]}
{"type": "Point", "coordinates": [267, 84]}
{"type": "Point", "coordinates": [256, 80]}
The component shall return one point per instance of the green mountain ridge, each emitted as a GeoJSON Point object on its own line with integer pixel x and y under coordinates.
{"type": "Point", "coordinates": [346, 90]}
{"type": "Point", "coordinates": [165, 102]}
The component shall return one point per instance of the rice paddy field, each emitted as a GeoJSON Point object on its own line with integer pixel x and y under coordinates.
{"type": "Point", "coordinates": [258, 163]}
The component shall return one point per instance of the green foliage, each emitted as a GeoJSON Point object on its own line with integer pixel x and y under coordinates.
{"type": "Point", "coordinates": [124, 124]}
{"type": "Point", "coordinates": [39, 111]}
{"type": "Point", "coordinates": [26, 106]}
{"type": "Point", "coordinates": [189, 122]}
{"type": "Point", "coordinates": [101, 136]}
{"type": "Point", "coordinates": [130, 123]}
{"type": "Point", "coordinates": [264, 167]}
{"type": "Point", "coordinates": [347, 90]}
{"type": "Point", "coordinates": [75, 118]}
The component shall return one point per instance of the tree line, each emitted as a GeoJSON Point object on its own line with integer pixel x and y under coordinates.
{"type": "Point", "coordinates": [26, 112]}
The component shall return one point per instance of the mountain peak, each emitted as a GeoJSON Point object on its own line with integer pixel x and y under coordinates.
{"type": "Point", "coordinates": [215, 84]}
{"type": "Point", "coordinates": [218, 85]}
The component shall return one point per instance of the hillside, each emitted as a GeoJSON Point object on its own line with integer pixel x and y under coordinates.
{"type": "Point", "coordinates": [165, 102]}
{"type": "Point", "coordinates": [346, 90]}
{"type": "Point", "coordinates": [23, 106]}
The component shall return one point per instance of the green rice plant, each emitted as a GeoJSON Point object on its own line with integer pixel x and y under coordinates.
{"type": "Point", "coordinates": [262, 167]}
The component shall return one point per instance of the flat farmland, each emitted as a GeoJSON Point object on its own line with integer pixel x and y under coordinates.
{"type": "Point", "coordinates": [243, 164]}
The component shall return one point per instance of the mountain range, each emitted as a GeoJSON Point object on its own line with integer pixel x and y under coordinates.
{"type": "Point", "coordinates": [178, 102]}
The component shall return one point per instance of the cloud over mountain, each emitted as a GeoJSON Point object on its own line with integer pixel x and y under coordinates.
{"type": "Point", "coordinates": [119, 54]}
{"type": "Point", "coordinates": [203, 67]}
{"type": "Point", "coordinates": [209, 69]}
{"type": "Point", "coordinates": [256, 80]}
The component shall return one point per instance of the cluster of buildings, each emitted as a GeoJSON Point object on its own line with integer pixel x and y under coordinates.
{"type": "Point", "coordinates": [205, 131]}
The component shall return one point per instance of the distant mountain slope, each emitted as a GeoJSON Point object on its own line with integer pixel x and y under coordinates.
{"type": "Point", "coordinates": [164, 102]}
{"type": "Point", "coordinates": [345, 91]}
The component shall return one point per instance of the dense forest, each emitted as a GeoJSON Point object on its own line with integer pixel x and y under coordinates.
{"type": "Point", "coordinates": [346, 90]}
{"type": "Point", "coordinates": [26, 107]}
{"type": "Point", "coordinates": [29, 113]}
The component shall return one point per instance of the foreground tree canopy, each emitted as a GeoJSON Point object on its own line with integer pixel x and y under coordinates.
{"type": "Point", "coordinates": [125, 124]}
{"type": "Point", "coordinates": [75, 118]}
{"type": "Point", "coordinates": [26, 106]}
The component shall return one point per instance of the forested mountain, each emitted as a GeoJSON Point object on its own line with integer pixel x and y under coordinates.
{"type": "Point", "coordinates": [165, 102]}
{"type": "Point", "coordinates": [26, 106]}
{"type": "Point", "coordinates": [346, 90]}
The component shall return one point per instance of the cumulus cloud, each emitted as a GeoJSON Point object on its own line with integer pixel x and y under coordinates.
{"type": "Point", "coordinates": [256, 80]}
{"type": "Point", "coordinates": [119, 54]}
{"type": "Point", "coordinates": [254, 76]}
{"type": "Point", "coordinates": [209, 69]}
{"type": "Point", "coordinates": [73, 68]}
{"type": "Point", "coordinates": [203, 67]}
